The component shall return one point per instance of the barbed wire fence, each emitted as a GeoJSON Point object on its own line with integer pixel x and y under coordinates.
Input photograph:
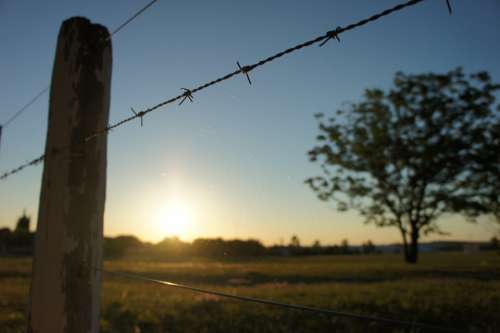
{"type": "Point", "coordinates": [25, 107]}
{"type": "Point", "coordinates": [186, 95]}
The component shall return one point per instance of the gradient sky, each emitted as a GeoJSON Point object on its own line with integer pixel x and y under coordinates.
{"type": "Point", "coordinates": [235, 158]}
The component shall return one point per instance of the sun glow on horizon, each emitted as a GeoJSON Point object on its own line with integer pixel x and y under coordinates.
{"type": "Point", "coordinates": [175, 219]}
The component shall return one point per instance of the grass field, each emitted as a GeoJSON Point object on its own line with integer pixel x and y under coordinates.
{"type": "Point", "coordinates": [454, 289]}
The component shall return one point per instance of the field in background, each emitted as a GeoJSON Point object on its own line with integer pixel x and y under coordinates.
{"type": "Point", "coordinates": [449, 289]}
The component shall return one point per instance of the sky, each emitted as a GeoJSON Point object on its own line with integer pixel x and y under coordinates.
{"type": "Point", "coordinates": [233, 162]}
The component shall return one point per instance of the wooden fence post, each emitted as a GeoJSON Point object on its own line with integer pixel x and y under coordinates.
{"type": "Point", "coordinates": [65, 288]}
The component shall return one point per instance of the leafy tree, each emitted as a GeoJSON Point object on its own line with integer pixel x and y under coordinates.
{"type": "Point", "coordinates": [172, 247]}
{"type": "Point", "coordinates": [23, 224]}
{"type": "Point", "coordinates": [116, 247]}
{"type": "Point", "coordinates": [295, 247]}
{"type": "Point", "coordinates": [294, 241]}
{"type": "Point", "coordinates": [495, 244]}
{"type": "Point", "coordinates": [405, 157]}
{"type": "Point", "coordinates": [344, 246]}
{"type": "Point", "coordinates": [368, 247]}
{"type": "Point", "coordinates": [316, 247]}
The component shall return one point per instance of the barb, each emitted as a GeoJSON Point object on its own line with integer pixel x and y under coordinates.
{"type": "Point", "coordinates": [389, 321]}
{"type": "Point", "coordinates": [25, 107]}
{"type": "Point", "coordinates": [248, 68]}
{"type": "Point", "coordinates": [187, 95]}
{"type": "Point", "coordinates": [331, 34]}
{"type": "Point", "coordinates": [140, 115]}
{"type": "Point", "coordinates": [245, 70]}
{"type": "Point", "coordinates": [133, 17]}
{"type": "Point", "coordinates": [449, 6]}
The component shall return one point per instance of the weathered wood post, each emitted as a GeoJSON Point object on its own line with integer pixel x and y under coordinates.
{"type": "Point", "coordinates": [65, 289]}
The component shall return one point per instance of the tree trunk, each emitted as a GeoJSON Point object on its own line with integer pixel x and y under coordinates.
{"type": "Point", "coordinates": [411, 251]}
{"type": "Point", "coordinates": [405, 242]}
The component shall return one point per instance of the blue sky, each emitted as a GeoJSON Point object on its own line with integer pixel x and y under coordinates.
{"type": "Point", "coordinates": [235, 158]}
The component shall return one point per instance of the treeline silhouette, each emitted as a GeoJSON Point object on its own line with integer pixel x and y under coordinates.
{"type": "Point", "coordinates": [20, 242]}
{"type": "Point", "coordinates": [131, 246]}
{"type": "Point", "coordinates": [174, 248]}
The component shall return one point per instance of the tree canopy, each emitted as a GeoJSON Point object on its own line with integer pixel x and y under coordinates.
{"type": "Point", "coordinates": [427, 147]}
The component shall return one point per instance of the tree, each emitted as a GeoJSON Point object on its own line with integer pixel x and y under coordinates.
{"type": "Point", "coordinates": [495, 244]}
{"type": "Point", "coordinates": [316, 247]}
{"type": "Point", "coordinates": [295, 247]}
{"type": "Point", "coordinates": [368, 247]}
{"type": "Point", "coordinates": [116, 247]}
{"type": "Point", "coordinates": [405, 157]}
{"type": "Point", "coordinates": [344, 246]}
{"type": "Point", "coordinates": [295, 241]}
{"type": "Point", "coordinates": [23, 224]}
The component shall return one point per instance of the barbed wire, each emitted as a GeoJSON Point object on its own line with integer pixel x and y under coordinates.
{"type": "Point", "coordinates": [245, 70]}
{"type": "Point", "coordinates": [133, 17]}
{"type": "Point", "coordinates": [41, 93]}
{"type": "Point", "coordinates": [24, 107]}
{"type": "Point", "coordinates": [248, 68]}
{"type": "Point", "coordinates": [387, 321]}
{"type": "Point", "coordinates": [32, 162]}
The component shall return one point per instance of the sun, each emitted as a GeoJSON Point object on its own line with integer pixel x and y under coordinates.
{"type": "Point", "coordinates": [174, 220]}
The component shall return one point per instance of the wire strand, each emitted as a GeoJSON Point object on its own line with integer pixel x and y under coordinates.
{"type": "Point", "coordinates": [394, 322]}
{"type": "Point", "coordinates": [133, 17]}
{"type": "Point", "coordinates": [241, 70]}
{"type": "Point", "coordinates": [25, 107]}
{"type": "Point", "coordinates": [41, 93]}
{"type": "Point", "coordinates": [248, 68]}
{"type": "Point", "coordinates": [32, 162]}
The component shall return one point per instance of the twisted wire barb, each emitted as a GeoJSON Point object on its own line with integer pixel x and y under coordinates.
{"type": "Point", "coordinates": [187, 95]}
{"type": "Point", "coordinates": [241, 70]}
{"type": "Point", "coordinates": [388, 321]}
{"type": "Point", "coordinates": [449, 6]}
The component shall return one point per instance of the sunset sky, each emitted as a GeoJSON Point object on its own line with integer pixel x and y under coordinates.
{"type": "Point", "coordinates": [233, 162]}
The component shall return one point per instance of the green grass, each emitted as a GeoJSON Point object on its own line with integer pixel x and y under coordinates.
{"type": "Point", "coordinates": [453, 289]}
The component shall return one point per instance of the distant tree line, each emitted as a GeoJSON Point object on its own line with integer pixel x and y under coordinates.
{"type": "Point", "coordinates": [20, 242]}
{"type": "Point", "coordinates": [174, 248]}
{"type": "Point", "coordinates": [121, 246]}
